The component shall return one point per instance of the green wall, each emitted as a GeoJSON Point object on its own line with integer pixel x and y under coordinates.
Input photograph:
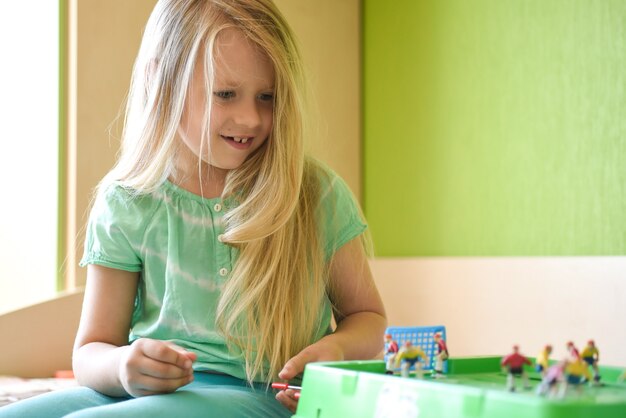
{"type": "Point", "coordinates": [495, 127]}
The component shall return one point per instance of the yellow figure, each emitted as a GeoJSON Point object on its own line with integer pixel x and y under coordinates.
{"type": "Point", "coordinates": [591, 355]}
{"type": "Point", "coordinates": [410, 355]}
{"type": "Point", "coordinates": [574, 373]}
{"type": "Point", "coordinates": [542, 362]}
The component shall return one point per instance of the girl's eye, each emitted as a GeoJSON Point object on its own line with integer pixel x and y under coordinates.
{"type": "Point", "coordinates": [225, 94]}
{"type": "Point", "coordinates": [266, 97]}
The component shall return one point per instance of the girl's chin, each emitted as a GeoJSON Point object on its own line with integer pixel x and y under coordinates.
{"type": "Point", "coordinates": [223, 165]}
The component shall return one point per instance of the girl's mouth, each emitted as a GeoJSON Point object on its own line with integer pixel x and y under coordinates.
{"type": "Point", "coordinates": [239, 142]}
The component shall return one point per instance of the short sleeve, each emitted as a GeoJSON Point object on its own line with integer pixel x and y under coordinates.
{"type": "Point", "coordinates": [115, 229]}
{"type": "Point", "coordinates": [340, 213]}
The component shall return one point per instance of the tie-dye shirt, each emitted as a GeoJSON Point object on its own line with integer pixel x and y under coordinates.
{"type": "Point", "coordinates": [172, 238]}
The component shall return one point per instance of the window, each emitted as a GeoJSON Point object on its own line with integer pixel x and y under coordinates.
{"type": "Point", "coordinates": [29, 117]}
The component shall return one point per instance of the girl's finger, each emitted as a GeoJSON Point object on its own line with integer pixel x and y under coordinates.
{"type": "Point", "coordinates": [190, 355]}
{"type": "Point", "coordinates": [160, 370]}
{"type": "Point", "coordinates": [295, 365]}
{"type": "Point", "coordinates": [287, 399]}
{"type": "Point", "coordinates": [165, 353]}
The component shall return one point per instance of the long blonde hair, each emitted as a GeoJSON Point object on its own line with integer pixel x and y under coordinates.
{"type": "Point", "coordinates": [271, 305]}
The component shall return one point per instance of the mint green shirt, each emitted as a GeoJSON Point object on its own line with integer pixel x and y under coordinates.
{"type": "Point", "coordinates": [171, 238]}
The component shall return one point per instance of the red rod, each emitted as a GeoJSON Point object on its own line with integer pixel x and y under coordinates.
{"type": "Point", "coordinates": [284, 386]}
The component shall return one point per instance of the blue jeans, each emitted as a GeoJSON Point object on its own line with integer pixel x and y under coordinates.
{"type": "Point", "coordinates": [209, 395]}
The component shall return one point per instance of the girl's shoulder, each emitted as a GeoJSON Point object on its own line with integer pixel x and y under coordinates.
{"type": "Point", "coordinates": [118, 204]}
{"type": "Point", "coordinates": [329, 185]}
{"type": "Point", "coordinates": [319, 173]}
{"type": "Point", "coordinates": [116, 195]}
{"type": "Point", "coordinates": [338, 213]}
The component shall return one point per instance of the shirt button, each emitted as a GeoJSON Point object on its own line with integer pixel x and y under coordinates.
{"type": "Point", "coordinates": [223, 272]}
{"type": "Point", "coordinates": [217, 207]}
{"type": "Point", "coordinates": [220, 237]}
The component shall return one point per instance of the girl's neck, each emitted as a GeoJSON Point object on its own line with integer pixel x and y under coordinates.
{"type": "Point", "coordinates": [207, 182]}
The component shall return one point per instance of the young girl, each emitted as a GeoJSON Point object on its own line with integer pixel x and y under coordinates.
{"type": "Point", "coordinates": [216, 252]}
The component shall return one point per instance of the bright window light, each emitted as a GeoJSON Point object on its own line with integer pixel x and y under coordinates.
{"type": "Point", "coordinates": [29, 113]}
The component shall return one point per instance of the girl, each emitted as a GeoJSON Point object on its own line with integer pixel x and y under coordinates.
{"type": "Point", "coordinates": [216, 252]}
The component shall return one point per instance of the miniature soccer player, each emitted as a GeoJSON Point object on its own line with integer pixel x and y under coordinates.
{"type": "Point", "coordinates": [391, 349]}
{"type": "Point", "coordinates": [553, 376]}
{"type": "Point", "coordinates": [543, 360]}
{"type": "Point", "coordinates": [573, 352]}
{"type": "Point", "coordinates": [591, 356]}
{"type": "Point", "coordinates": [575, 372]}
{"type": "Point", "coordinates": [514, 363]}
{"type": "Point", "coordinates": [441, 356]}
{"type": "Point", "coordinates": [410, 355]}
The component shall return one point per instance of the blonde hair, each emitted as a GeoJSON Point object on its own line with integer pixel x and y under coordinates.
{"type": "Point", "coordinates": [271, 305]}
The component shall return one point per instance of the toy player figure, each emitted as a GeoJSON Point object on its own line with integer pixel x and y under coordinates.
{"type": "Point", "coordinates": [553, 376]}
{"type": "Point", "coordinates": [441, 356]}
{"type": "Point", "coordinates": [543, 360]}
{"type": "Point", "coordinates": [391, 349]}
{"type": "Point", "coordinates": [410, 355]}
{"type": "Point", "coordinates": [591, 355]}
{"type": "Point", "coordinates": [573, 352]}
{"type": "Point", "coordinates": [575, 373]}
{"type": "Point", "coordinates": [514, 363]}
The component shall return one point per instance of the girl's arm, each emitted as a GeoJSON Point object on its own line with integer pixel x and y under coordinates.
{"type": "Point", "coordinates": [360, 316]}
{"type": "Point", "coordinates": [103, 359]}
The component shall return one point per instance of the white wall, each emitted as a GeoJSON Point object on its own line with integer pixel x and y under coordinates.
{"type": "Point", "coordinates": [28, 162]}
{"type": "Point", "coordinates": [490, 304]}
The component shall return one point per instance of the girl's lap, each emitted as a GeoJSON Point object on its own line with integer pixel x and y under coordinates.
{"type": "Point", "coordinates": [209, 395]}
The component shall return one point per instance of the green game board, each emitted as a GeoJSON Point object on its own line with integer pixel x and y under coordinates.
{"type": "Point", "coordinates": [473, 388]}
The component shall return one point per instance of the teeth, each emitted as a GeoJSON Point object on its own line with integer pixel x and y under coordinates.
{"type": "Point", "coordinates": [240, 140]}
{"type": "Point", "coordinates": [236, 139]}
{"type": "Point", "coordinates": [244, 140]}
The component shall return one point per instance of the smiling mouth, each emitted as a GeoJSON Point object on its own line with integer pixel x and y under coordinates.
{"type": "Point", "coordinates": [237, 139]}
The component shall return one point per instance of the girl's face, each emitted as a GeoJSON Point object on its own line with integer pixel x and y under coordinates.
{"type": "Point", "coordinates": [243, 101]}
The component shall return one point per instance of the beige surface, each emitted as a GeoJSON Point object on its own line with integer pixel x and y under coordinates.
{"type": "Point", "coordinates": [489, 304]}
{"type": "Point", "coordinates": [106, 38]}
{"type": "Point", "coordinates": [329, 34]}
{"type": "Point", "coordinates": [37, 340]}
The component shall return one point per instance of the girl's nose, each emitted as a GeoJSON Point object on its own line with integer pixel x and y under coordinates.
{"type": "Point", "coordinates": [247, 113]}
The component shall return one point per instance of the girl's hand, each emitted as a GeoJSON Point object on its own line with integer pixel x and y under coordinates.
{"type": "Point", "coordinates": [149, 367]}
{"type": "Point", "coordinates": [323, 350]}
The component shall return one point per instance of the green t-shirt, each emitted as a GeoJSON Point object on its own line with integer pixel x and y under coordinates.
{"type": "Point", "coordinates": [171, 238]}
